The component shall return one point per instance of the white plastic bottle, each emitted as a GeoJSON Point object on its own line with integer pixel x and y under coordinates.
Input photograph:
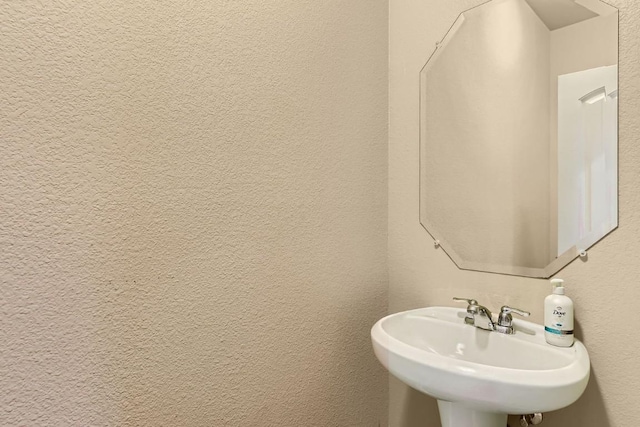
{"type": "Point", "coordinates": [558, 316]}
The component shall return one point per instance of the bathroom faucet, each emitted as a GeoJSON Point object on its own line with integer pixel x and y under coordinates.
{"type": "Point", "coordinates": [481, 317]}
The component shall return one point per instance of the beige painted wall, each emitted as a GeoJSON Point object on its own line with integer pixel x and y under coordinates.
{"type": "Point", "coordinates": [192, 212]}
{"type": "Point", "coordinates": [605, 288]}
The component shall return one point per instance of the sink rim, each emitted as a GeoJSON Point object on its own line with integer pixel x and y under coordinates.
{"type": "Point", "coordinates": [563, 385]}
{"type": "Point", "coordinates": [444, 361]}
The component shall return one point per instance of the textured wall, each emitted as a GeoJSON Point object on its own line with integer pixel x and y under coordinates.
{"type": "Point", "coordinates": [192, 212]}
{"type": "Point", "coordinates": [605, 288]}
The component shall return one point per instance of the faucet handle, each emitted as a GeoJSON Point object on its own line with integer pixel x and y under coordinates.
{"type": "Point", "coordinates": [507, 310]}
{"type": "Point", "coordinates": [505, 320]}
{"type": "Point", "coordinates": [469, 301]}
{"type": "Point", "coordinates": [472, 310]}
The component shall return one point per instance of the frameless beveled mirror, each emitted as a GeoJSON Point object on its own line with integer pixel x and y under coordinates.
{"type": "Point", "coordinates": [519, 135]}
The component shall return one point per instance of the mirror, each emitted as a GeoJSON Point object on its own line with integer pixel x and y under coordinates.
{"type": "Point", "coordinates": [518, 135]}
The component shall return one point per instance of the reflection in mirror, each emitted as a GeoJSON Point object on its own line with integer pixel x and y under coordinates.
{"type": "Point", "coordinates": [518, 134]}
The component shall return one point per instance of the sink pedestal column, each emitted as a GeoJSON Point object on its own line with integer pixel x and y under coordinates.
{"type": "Point", "coordinates": [457, 415]}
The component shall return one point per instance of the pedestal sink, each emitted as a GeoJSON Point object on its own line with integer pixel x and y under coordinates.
{"type": "Point", "coordinates": [479, 376]}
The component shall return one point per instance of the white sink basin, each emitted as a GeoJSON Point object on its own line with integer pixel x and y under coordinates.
{"type": "Point", "coordinates": [476, 374]}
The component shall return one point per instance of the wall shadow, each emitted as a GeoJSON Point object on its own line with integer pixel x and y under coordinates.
{"type": "Point", "coordinates": [589, 410]}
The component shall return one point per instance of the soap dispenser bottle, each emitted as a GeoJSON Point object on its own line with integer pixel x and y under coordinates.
{"type": "Point", "coordinates": [558, 316]}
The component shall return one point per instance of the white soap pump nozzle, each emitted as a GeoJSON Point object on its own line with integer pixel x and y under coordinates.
{"type": "Point", "coordinates": [558, 286]}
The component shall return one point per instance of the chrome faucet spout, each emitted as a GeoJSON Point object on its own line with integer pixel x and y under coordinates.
{"type": "Point", "coordinates": [484, 319]}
